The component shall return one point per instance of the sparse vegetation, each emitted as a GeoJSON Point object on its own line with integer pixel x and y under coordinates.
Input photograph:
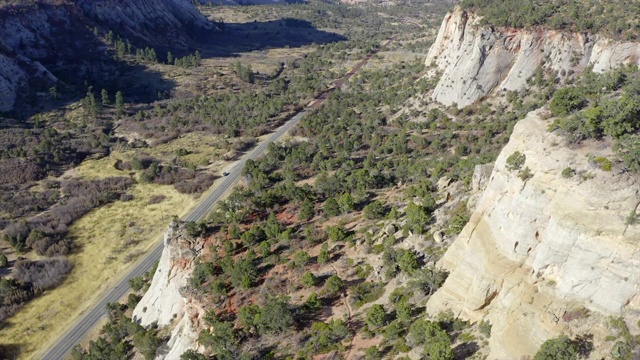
{"type": "Point", "coordinates": [613, 19]}
{"type": "Point", "coordinates": [515, 161]}
{"type": "Point", "coordinates": [279, 243]}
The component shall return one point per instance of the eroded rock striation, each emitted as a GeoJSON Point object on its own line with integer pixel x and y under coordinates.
{"type": "Point", "coordinates": [539, 247]}
{"type": "Point", "coordinates": [165, 303]}
{"type": "Point", "coordinates": [476, 60]}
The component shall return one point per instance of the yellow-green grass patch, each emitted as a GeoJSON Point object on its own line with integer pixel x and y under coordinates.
{"type": "Point", "coordinates": [203, 148]}
{"type": "Point", "coordinates": [110, 240]}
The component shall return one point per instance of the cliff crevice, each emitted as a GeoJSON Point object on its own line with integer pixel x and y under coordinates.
{"type": "Point", "coordinates": [478, 61]}
{"type": "Point", "coordinates": [531, 253]}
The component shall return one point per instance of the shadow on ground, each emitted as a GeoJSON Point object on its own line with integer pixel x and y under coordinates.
{"type": "Point", "coordinates": [236, 38]}
{"type": "Point", "coordinates": [80, 59]}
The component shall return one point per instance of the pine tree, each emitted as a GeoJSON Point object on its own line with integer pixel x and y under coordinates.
{"type": "Point", "coordinates": [119, 105]}
{"type": "Point", "coordinates": [105, 97]}
{"type": "Point", "coordinates": [306, 211]}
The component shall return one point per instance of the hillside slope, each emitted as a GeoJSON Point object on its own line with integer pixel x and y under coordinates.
{"type": "Point", "coordinates": [48, 44]}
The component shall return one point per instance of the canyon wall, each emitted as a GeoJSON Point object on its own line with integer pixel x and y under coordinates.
{"type": "Point", "coordinates": [536, 249]}
{"type": "Point", "coordinates": [46, 38]}
{"type": "Point", "coordinates": [476, 61]}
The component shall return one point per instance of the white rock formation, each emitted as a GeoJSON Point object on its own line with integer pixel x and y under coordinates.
{"type": "Point", "coordinates": [534, 248]}
{"type": "Point", "coordinates": [477, 60]}
{"type": "Point", "coordinates": [164, 302]}
{"type": "Point", "coordinates": [185, 334]}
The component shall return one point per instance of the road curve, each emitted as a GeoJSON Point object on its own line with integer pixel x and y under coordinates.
{"type": "Point", "coordinates": [90, 319]}
{"type": "Point", "coordinates": [94, 315]}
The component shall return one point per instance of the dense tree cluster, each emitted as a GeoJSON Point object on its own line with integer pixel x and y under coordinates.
{"type": "Point", "coordinates": [119, 338]}
{"type": "Point", "coordinates": [602, 105]}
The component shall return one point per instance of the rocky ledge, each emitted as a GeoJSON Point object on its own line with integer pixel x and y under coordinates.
{"type": "Point", "coordinates": [544, 242]}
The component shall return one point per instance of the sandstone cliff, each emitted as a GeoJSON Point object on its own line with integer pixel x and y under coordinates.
{"type": "Point", "coordinates": [476, 61]}
{"type": "Point", "coordinates": [47, 38]}
{"type": "Point", "coordinates": [164, 303]}
{"type": "Point", "coordinates": [537, 249]}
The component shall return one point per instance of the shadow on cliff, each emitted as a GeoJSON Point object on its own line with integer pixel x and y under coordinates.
{"type": "Point", "coordinates": [9, 351]}
{"type": "Point", "coordinates": [79, 59]}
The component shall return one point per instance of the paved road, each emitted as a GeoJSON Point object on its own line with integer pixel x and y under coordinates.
{"type": "Point", "coordinates": [89, 320]}
{"type": "Point", "coordinates": [94, 315]}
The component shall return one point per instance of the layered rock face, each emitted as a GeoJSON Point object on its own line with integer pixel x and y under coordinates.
{"type": "Point", "coordinates": [39, 41]}
{"type": "Point", "coordinates": [476, 61]}
{"type": "Point", "coordinates": [164, 302]}
{"type": "Point", "coordinates": [538, 248]}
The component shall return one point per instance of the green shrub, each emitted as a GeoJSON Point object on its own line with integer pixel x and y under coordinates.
{"type": "Point", "coordinates": [334, 284]}
{"type": "Point", "coordinates": [392, 331]}
{"type": "Point", "coordinates": [275, 316]}
{"type": "Point", "coordinates": [603, 163]}
{"type": "Point", "coordinates": [147, 343]}
{"type": "Point", "coordinates": [439, 350]}
{"type": "Point", "coordinates": [568, 172]}
{"type": "Point", "coordinates": [377, 249]}
{"type": "Point", "coordinates": [372, 353]}
{"type": "Point", "coordinates": [525, 174]}
{"type": "Point", "coordinates": [374, 211]}
{"type": "Point", "coordinates": [404, 310]}
{"type": "Point", "coordinates": [327, 336]}
{"type": "Point", "coordinates": [566, 101]}
{"type": "Point", "coordinates": [560, 348]}
{"type": "Point", "coordinates": [323, 256]}
{"type": "Point", "coordinates": [366, 292]}
{"type": "Point", "coordinates": [466, 337]}
{"type": "Point", "coordinates": [459, 218]}
{"type": "Point", "coordinates": [627, 147]}
{"type": "Point", "coordinates": [376, 316]}
{"type": "Point", "coordinates": [337, 233]}
{"type": "Point", "coordinates": [192, 355]}
{"type": "Point", "coordinates": [331, 207]}
{"type": "Point", "coordinates": [300, 259]}
{"type": "Point", "coordinates": [515, 161]}
{"type": "Point", "coordinates": [307, 211]}
{"type": "Point", "coordinates": [408, 262]}
{"type": "Point", "coordinates": [485, 328]}
{"type": "Point", "coordinates": [308, 279]}
{"type": "Point", "coordinates": [313, 303]}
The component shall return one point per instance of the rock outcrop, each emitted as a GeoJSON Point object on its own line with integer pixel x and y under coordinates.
{"type": "Point", "coordinates": [536, 248]}
{"type": "Point", "coordinates": [476, 60]}
{"type": "Point", "coordinates": [164, 302]}
{"type": "Point", "coordinates": [47, 38]}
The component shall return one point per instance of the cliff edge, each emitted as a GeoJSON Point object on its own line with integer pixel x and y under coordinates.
{"type": "Point", "coordinates": [538, 248]}
{"type": "Point", "coordinates": [164, 303]}
{"type": "Point", "coordinates": [477, 61]}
